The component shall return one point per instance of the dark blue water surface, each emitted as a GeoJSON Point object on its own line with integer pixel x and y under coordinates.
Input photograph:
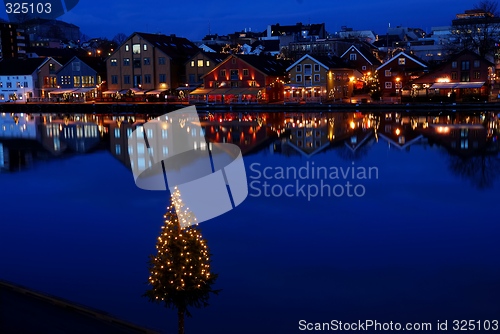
{"type": "Point", "coordinates": [422, 244]}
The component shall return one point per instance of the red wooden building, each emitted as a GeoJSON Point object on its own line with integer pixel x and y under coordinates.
{"type": "Point", "coordinates": [244, 79]}
{"type": "Point", "coordinates": [465, 76]}
{"type": "Point", "coordinates": [395, 75]}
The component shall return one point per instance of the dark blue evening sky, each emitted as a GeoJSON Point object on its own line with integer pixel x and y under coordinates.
{"type": "Point", "coordinates": [191, 19]}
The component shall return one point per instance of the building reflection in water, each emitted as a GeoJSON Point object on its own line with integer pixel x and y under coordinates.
{"type": "Point", "coordinates": [249, 132]}
{"type": "Point", "coordinates": [25, 137]}
{"type": "Point", "coordinates": [470, 140]}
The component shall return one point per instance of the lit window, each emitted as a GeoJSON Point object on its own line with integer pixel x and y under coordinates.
{"type": "Point", "coordinates": [117, 132]}
{"type": "Point", "coordinates": [200, 62]}
{"type": "Point", "coordinates": [114, 62]}
{"type": "Point", "coordinates": [145, 47]}
{"type": "Point", "coordinates": [136, 49]}
{"type": "Point", "coordinates": [207, 63]}
{"type": "Point", "coordinates": [401, 61]}
{"type": "Point", "coordinates": [388, 85]}
{"type": "Point", "coordinates": [388, 73]}
{"type": "Point", "coordinates": [127, 47]}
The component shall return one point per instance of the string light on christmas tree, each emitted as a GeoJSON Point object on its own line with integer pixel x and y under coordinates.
{"type": "Point", "coordinates": [180, 271]}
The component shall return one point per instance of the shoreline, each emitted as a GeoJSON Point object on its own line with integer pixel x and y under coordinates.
{"type": "Point", "coordinates": [154, 108]}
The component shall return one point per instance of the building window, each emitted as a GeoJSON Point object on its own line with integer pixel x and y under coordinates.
{"type": "Point", "coordinates": [477, 63]}
{"type": "Point", "coordinates": [477, 75]}
{"type": "Point", "coordinates": [192, 63]}
{"type": "Point", "coordinates": [207, 63]}
{"type": "Point", "coordinates": [307, 69]}
{"type": "Point", "coordinates": [163, 78]}
{"type": "Point", "coordinates": [126, 61]}
{"type": "Point", "coordinates": [161, 61]}
{"type": "Point", "coordinates": [388, 73]}
{"type": "Point", "coordinates": [113, 62]}
{"type": "Point", "coordinates": [114, 79]}
{"type": "Point", "coordinates": [137, 63]}
{"type": "Point", "coordinates": [75, 66]}
{"type": "Point", "coordinates": [465, 76]}
{"type": "Point", "coordinates": [147, 78]}
{"type": "Point", "coordinates": [352, 56]}
{"type": "Point", "coordinates": [453, 64]}
{"type": "Point", "coordinates": [118, 149]}
{"type": "Point", "coordinates": [76, 81]}
{"type": "Point", "coordinates": [145, 47]}
{"type": "Point", "coordinates": [136, 49]}
{"type": "Point", "coordinates": [117, 132]}
{"type": "Point", "coordinates": [200, 62]}
{"type": "Point", "coordinates": [9, 84]}
{"type": "Point", "coordinates": [245, 72]}
{"type": "Point", "coordinates": [363, 68]}
{"type": "Point", "coordinates": [401, 61]}
{"type": "Point", "coordinates": [65, 80]}
{"type": "Point", "coordinates": [223, 74]}
{"type": "Point", "coordinates": [316, 67]}
{"type": "Point", "coordinates": [127, 47]}
{"type": "Point", "coordinates": [298, 78]}
{"type": "Point", "coordinates": [234, 84]}
{"type": "Point", "coordinates": [52, 68]}
{"type": "Point", "coordinates": [126, 79]}
{"type": "Point", "coordinates": [454, 76]}
{"type": "Point", "coordinates": [233, 61]}
{"type": "Point", "coordinates": [465, 65]}
{"type": "Point", "coordinates": [316, 78]}
{"type": "Point", "coordinates": [388, 85]}
{"type": "Point", "coordinates": [137, 80]}
{"type": "Point", "coordinates": [253, 83]}
{"type": "Point", "coordinates": [147, 60]}
{"type": "Point", "coordinates": [298, 68]}
{"type": "Point", "coordinates": [235, 74]}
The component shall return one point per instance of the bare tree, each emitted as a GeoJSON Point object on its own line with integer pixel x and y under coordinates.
{"type": "Point", "coordinates": [478, 29]}
{"type": "Point", "coordinates": [120, 38]}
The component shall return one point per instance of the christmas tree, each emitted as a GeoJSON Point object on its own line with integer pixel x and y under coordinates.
{"type": "Point", "coordinates": [180, 274]}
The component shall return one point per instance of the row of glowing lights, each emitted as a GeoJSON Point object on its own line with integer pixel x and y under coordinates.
{"type": "Point", "coordinates": [300, 123]}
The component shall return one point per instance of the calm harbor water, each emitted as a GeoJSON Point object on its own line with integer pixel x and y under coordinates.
{"type": "Point", "coordinates": [415, 241]}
